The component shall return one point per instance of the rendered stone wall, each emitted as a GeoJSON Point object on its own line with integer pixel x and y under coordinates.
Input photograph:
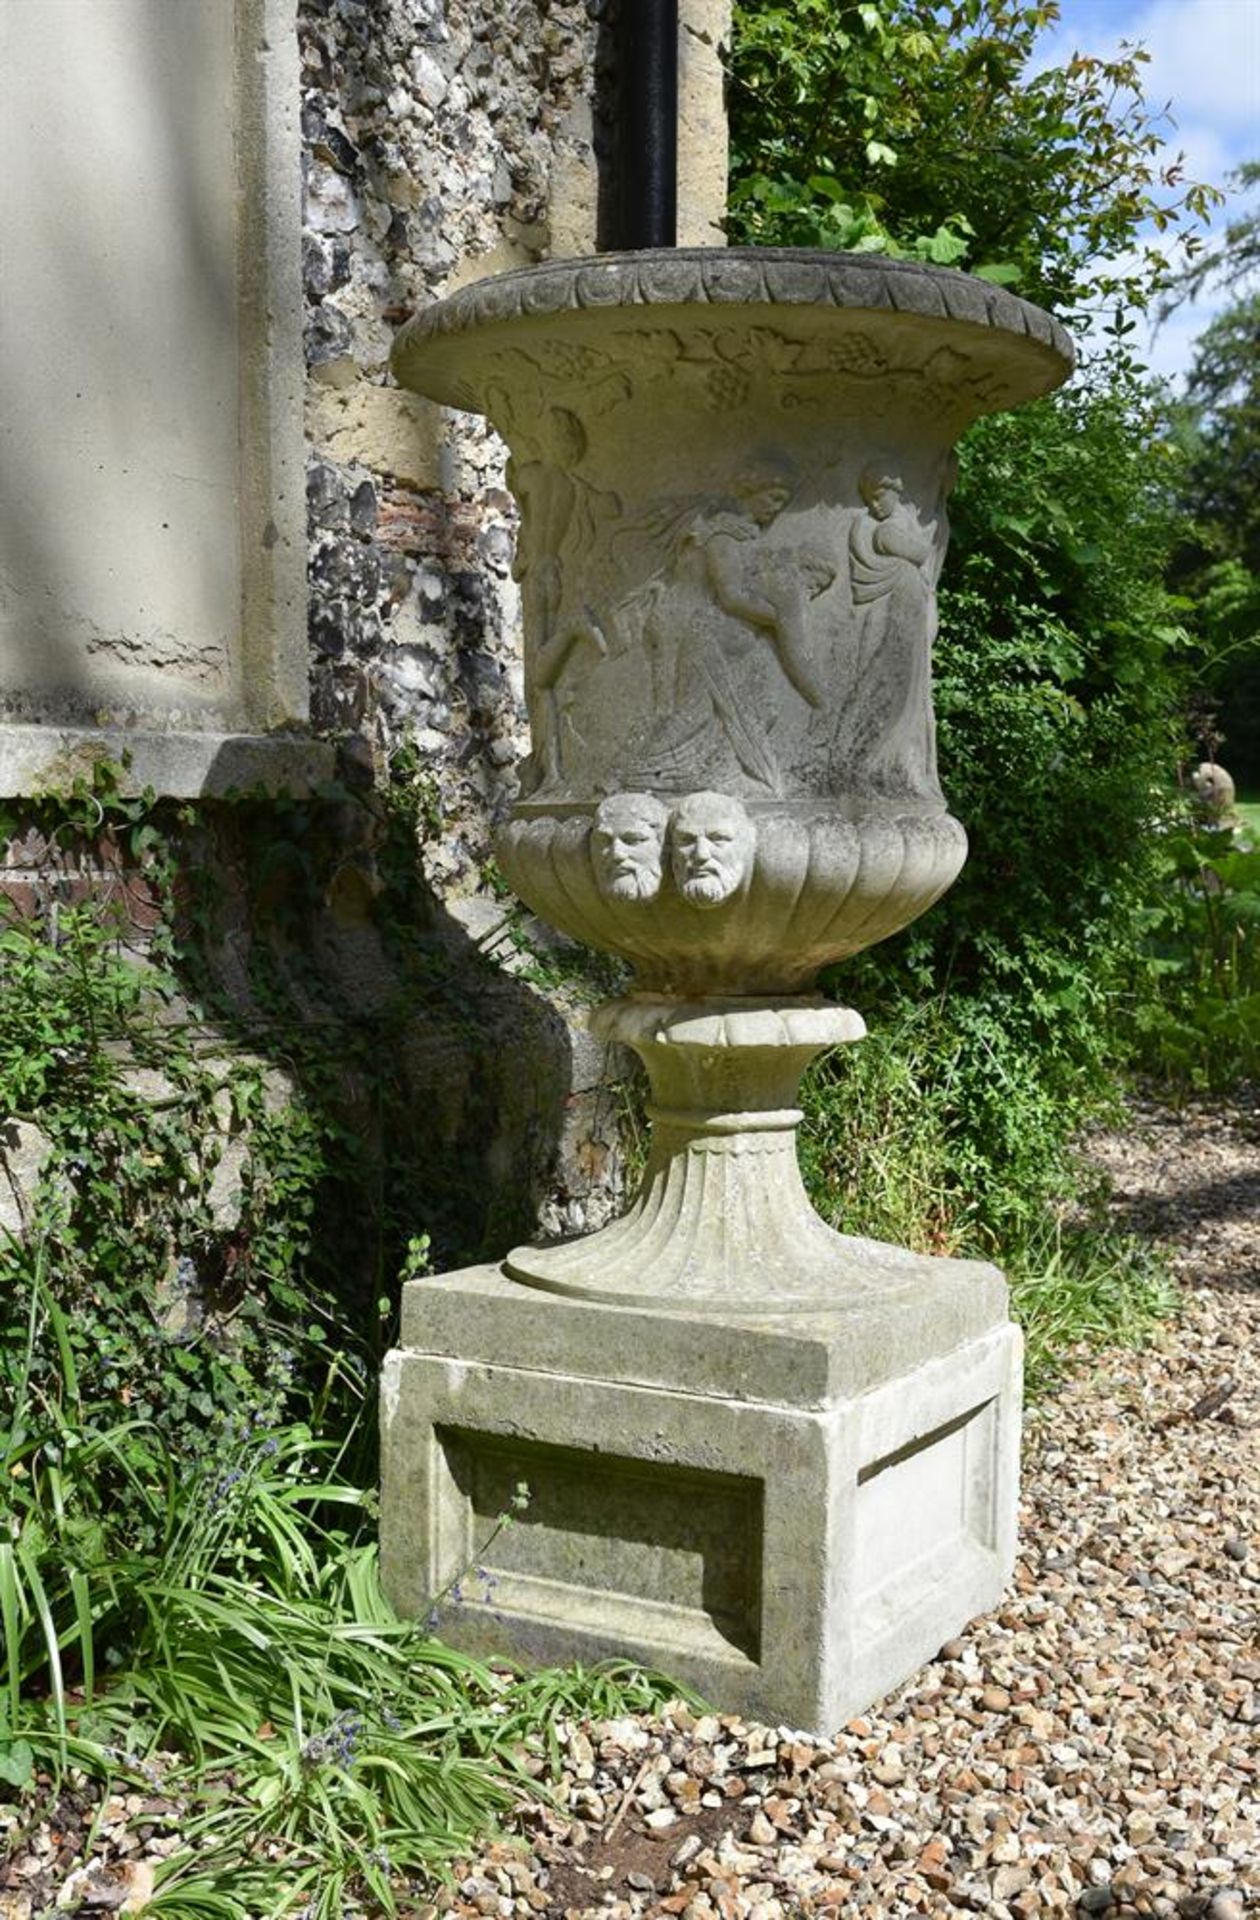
{"type": "Point", "coordinates": [151, 562]}
{"type": "Point", "coordinates": [439, 142]}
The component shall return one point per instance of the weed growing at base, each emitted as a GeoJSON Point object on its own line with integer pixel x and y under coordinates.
{"type": "Point", "coordinates": [214, 1627]}
{"type": "Point", "coordinates": [897, 1145]}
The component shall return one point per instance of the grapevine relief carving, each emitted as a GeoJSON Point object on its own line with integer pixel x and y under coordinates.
{"type": "Point", "coordinates": [730, 364]}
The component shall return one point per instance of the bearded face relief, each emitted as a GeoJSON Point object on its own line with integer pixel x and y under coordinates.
{"type": "Point", "coordinates": [711, 845]}
{"type": "Point", "coordinates": [628, 845]}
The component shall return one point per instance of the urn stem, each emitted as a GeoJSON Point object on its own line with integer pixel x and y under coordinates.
{"type": "Point", "coordinates": [721, 1221]}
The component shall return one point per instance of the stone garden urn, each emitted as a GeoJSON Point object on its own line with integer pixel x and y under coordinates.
{"type": "Point", "coordinates": [733, 470]}
{"type": "Point", "coordinates": [777, 1461]}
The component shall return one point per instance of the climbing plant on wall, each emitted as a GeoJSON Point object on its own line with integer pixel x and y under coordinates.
{"type": "Point", "coordinates": [901, 126]}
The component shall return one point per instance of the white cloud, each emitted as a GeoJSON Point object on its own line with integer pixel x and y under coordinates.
{"type": "Point", "coordinates": [1205, 59]}
{"type": "Point", "coordinates": [1205, 65]}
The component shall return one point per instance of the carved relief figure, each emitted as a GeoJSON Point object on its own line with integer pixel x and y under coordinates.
{"type": "Point", "coordinates": [711, 845]}
{"type": "Point", "coordinates": [560, 512]}
{"type": "Point", "coordinates": [1214, 792]}
{"type": "Point", "coordinates": [894, 559]}
{"type": "Point", "coordinates": [628, 845]}
{"type": "Point", "coordinates": [722, 606]}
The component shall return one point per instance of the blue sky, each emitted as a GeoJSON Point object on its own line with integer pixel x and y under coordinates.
{"type": "Point", "coordinates": [1205, 62]}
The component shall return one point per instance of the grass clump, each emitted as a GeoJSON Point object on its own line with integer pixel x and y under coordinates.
{"type": "Point", "coordinates": [190, 1598]}
{"type": "Point", "coordinates": [939, 1132]}
{"type": "Point", "coordinates": [215, 1625]}
{"type": "Point", "coordinates": [1075, 1285]}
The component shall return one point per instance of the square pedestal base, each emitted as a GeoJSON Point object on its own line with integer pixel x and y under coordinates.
{"type": "Point", "coordinates": [789, 1515]}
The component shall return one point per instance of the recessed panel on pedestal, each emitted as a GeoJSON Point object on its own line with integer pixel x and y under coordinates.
{"type": "Point", "coordinates": [607, 1543]}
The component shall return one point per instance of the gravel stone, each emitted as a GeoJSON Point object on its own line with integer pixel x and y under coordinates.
{"type": "Point", "coordinates": [1090, 1747]}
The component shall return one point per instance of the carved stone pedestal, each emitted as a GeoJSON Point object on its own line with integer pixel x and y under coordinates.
{"type": "Point", "coordinates": [789, 1514]}
{"type": "Point", "coordinates": [780, 1462]}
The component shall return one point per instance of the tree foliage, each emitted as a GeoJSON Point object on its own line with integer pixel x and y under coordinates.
{"type": "Point", "coordinates": [1057, 693]}
{"type": "Point", "coordinates": [931, 130]}
{"type": "Point", "coordinates": [1216, 566]}
{"type": "Point", "coordinates": [1234, 260]}
{"type": "Point", "coordinates": [908, 127]}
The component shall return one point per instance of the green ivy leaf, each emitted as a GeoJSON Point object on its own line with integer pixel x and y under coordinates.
{"type": "Point", "coordinates": [17, 1763]}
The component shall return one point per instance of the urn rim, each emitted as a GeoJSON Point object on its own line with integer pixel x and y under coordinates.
{"type": "Point", "coordinates": [726, 280]}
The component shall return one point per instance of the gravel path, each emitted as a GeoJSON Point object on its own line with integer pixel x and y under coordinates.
{"type": "Point", "coordinates": [1093, 1747]}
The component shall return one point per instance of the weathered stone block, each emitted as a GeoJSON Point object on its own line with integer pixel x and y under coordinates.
{"type": "Point", "coordinates": [379, 427]}
{"type": "Point", "coordinates": [24, 1154]}
{"type": "Point", "coordinates": [704, 31]}
{"type": "Point", "coordinates": [790, 1515]}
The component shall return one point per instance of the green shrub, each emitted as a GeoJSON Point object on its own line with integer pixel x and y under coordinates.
{"type": "Point", "coordinates": [1196, 986]}
{"type": "Point", "coordinates": [325, 1750]}
{"type": "Point", "coordinates": [938, 129]}
{"type": "Point", "coordinates": [169, 1310]}
{"type": "Point", "coordinates": [187, 1554]}
{"type": "Point", "coordinates": [996, 1022]}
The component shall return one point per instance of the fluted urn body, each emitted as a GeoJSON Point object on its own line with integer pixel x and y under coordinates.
{"type": "Point", "coordinates": [733, 470]}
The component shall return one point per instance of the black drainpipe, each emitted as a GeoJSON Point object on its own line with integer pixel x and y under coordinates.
{"type": "Point", "coordinates": [645, 146]}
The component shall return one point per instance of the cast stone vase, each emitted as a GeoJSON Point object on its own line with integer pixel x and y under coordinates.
{"type": "Point", "coordinates": [733, 469]}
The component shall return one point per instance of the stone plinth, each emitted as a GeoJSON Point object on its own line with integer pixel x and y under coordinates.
{"type": "Point", "coordinates": [789, 1515]}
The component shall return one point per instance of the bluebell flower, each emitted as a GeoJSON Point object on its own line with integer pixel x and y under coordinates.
{"type": "Point", "coordinates": [224, 1485]}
